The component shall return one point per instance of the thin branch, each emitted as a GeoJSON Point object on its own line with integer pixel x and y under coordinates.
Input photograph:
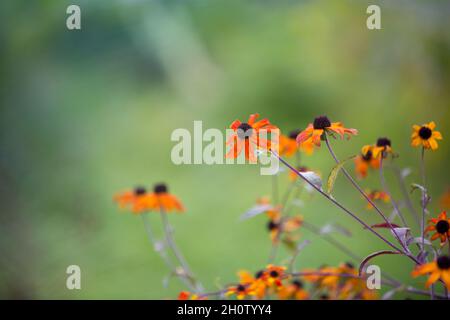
{"type": "Point", "coordinates": [386, 189]}
{"type": "Point", "coordinates": [176, 251]}
{"type": "Point", "coordinates": [332, 200]}
{"type": "Point", "coordinates": [357, 187]}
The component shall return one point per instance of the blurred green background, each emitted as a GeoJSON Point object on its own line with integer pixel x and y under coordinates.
{"type": "Point", "coordinates": [86, 114]}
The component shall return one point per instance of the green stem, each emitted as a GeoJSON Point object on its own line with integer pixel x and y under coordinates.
{"type": "Point", "coordinates": [358, 188]}
{"type": "Point", "coordinates": [401, 182]}
{"type": "Point", "coordinates": [176, 251]}
{"type": "Point", "coordinates": [332, 200]}
{"type": "Point", "coordinates": [386, 189]}
{"type": "Point", "coordinates": [163, 253]}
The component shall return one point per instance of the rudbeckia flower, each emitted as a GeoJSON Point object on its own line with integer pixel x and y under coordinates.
{"type": "Point", "coordinates": [438, 269]}
{"type": "Point", "coordinates": [161, 199]}
{"type": "Point", "coordinates": [364, 161]}
{"type": "Point", "coordinates": [426, 136]}
{"type": "Point", "coordinates": [331, 280]}
{"type": "Point", "coordinates": [441, 226]}
{"type": "Point", "coordinates": [241, 291]}
{"type": "Point", "coordinates": [293, 290]}
{"type": "Point", "coordinates": [277, 226]}
{"type": "Point", "coordinates": [246, 135]}
{"type": "Point", "coordinates": [313, 133]}
{"type": "Point", "coordinates": [324, 277]}
{"type": "Point", "coordinates": [288, 145]}
{"type": "Point", "coordinates": [376, 195]}
{"type": "Point", "coordinates": [186, 295]}
{"type": "Point", "coordinates": [140, 200]}
{"type": "Point", "coordinates": [273, 275]}
{"type": "Point", "coordinates": [382, 148]}
{"type": "Point", "coordinates": [353, 287]}
{"type": "Point", "coordinates": [256, 283]}
{"type": "Point", "coordinates": [137, 200]}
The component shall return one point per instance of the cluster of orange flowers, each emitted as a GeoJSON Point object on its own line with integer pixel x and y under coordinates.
{"type": "Point", "coordinates": [342, 282]}
{"type": "Point", "coordinates": [140, 200]}
{"type": "Point", "coordinates": [326, 283]}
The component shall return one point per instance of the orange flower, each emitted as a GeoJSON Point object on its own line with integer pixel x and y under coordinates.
{"type": "Point", "coordinates": [294, 290]}
{"type": "Point", "coordinates": [287, 225]}
{"type": "Point", "coordinates": [330, 280]}
{"type": "Point", "coordinates": [241, 291]}
{"type": "Point", "coordinates": [186, 295]}
{"type": "Point", "coordinates": [256, 283]}
{"type": "Point", "coordinates": [354, 287]}
{"type": "Point", "coordinates": [312, 275]}
{"type": "Point", "coordinates": [273, 275]}
{"type": "Point", "coordinates": [140, 200]}
{"type": "Point", "coordinates": [441, 226]}
{"type": "Point", "coordinates": [288, 144]}
{"type": "Point", "coordinates": [246, 135]}
{"type": "Point", "coordinates": [324, 277]}
{"type": "Point", "coordinates": [377, 195]}
{"type": "Point", "coordinates": [438, 269]}
{"type": "Point", "coordinates": [382, 148]}
{"type": "Point", "coordinates": [364, 161]}
{"type": "Point", "coordinates": [163, 200]}
{"type": "Point", "coordinates": [426, 136]}
{"type": "Point", "coordinates": [137, 200]}
{"type": "Point", "coordinates": [313, 133]}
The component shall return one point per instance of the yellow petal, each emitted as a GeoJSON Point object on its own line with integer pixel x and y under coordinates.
{"type": "Point", "coordinates": [433, 143]}
{"type": "Point", "coordinates": [445, 275]}
{"type": "Point", "coordinates": [437, 135]}
{"type": "Point", "coordinates": [415, 142]}
{"type": "Point", "coordinates": [433, 278]}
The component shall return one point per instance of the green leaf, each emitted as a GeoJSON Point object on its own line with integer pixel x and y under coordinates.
{"type": "Point", "coordinates": [334, 173]}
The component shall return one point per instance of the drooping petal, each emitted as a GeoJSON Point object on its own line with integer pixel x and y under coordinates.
{"type": "Point", "coordinates": [305, 134]}
{"type": "Point", "coordinates": [433, 278]}
{"type": "Point", "coordinates": [424, 269]}
{"type": "Point", "coordinates": [235, 124]}
{"type": "Point", "coordinates": [445, 276]}
{"type": "Point", "coordinates": [433, 144]}
{"type": "Point", "coordinates": [252, 118]}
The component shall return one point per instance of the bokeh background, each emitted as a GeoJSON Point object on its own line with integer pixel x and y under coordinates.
{"type": "Point", "coordinates": [86, 114]}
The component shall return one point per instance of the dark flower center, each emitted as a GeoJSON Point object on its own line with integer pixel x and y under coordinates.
{"type": "Point", "coordinates": [139, 191]}
{"type": "Point", "coordinates": [367, 156]}
{"type": "Point", "coordinates": [272, 225]}
{"type": "Point", "coordinates": [383, 142]}
{"type": "Point", "coordinates": [349, 265]}
{"type": "Point", "coordinates": [160, 188]}
{"type": "Point", "coordinates": [274, 274]}
{"type": "Point", "coordinates": [321, 122]}
{"type": "Point", "coordinates": [240, 288]}
{"type": "Point", "coordinates": [298, 284]}
{"type": "Point", "coordinates": [425, 133]}
{"type": "Point", "coordinates": [324, 297]}
{"type": "Point", "coordinates": [259, 274]}
{"type": "Point", "coordinates": [443, 262]}
{"type": "Point", "coordinates": [293, 134]}
{"type": "Point", "coordinates": [442, 226]}
{"type": "Point", "coordinates": [244, 131]}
